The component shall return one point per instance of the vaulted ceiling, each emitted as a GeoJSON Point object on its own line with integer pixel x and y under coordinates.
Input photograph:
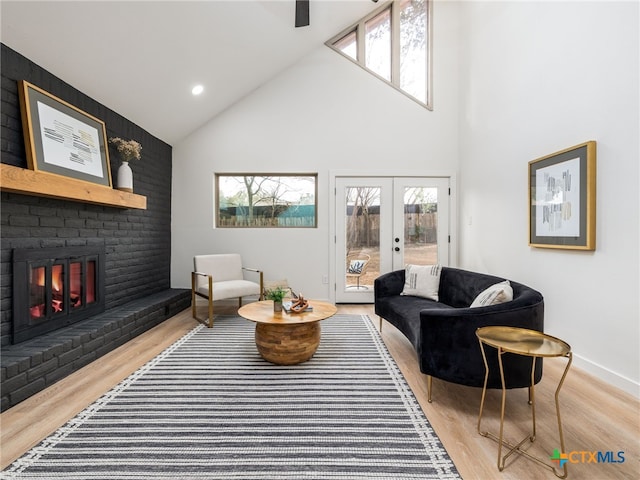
{"type": "Point", "coordinates": [142, 58]}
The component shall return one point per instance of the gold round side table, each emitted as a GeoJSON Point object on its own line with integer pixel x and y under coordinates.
{"type": "Point", "coordinates": [530, 343]}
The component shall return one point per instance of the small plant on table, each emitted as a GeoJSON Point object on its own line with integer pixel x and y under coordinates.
{"type": "Point", "coordinates": [276, 294]}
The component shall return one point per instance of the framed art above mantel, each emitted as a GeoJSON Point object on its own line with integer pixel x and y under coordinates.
{"type": "Point", "coordinates": [62, 139]}
{"type": "Point", "coordinates": [562, 199]}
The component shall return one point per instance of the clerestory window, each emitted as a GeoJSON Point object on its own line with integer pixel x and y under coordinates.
{"type": "Point", "coordinates": [393, 43]}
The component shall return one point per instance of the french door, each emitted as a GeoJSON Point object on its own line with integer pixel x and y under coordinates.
{"type": "Point", "coordinates": [384, 223]}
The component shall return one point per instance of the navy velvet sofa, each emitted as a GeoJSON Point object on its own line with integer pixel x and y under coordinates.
{"type": "Point", "coordinates": [443, 333]}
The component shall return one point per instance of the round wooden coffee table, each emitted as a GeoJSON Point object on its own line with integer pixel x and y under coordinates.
{"type": "Point", "coordinates": [287, 338]}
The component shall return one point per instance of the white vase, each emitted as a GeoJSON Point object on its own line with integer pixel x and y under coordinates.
{"type": "Point", "coordinates": [125, 177]}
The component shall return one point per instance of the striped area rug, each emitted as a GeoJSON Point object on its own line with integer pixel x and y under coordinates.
{"type": "Point", "coordinates": [210, 407]}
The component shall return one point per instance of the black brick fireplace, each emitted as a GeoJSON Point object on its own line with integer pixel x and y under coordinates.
{"type": "Point", "coordinates": [134, 245]}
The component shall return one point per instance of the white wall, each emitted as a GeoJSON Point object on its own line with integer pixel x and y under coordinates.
{"type": "Point", "coordinates": [514, 81]}
{"type": "Point", "coordinates": [539, 77]}
{"type": "Point", "coordinates": [322, 114]}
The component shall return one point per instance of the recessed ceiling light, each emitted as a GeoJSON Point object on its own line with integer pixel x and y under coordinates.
{"type": "Point", "coordinates": [197, 90]}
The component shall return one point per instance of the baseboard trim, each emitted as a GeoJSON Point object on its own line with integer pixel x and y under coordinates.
{"type": "Point", "coordinates": [623, 383]}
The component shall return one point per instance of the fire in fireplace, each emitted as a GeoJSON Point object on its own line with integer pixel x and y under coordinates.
{"type": "Point", "coordinates": [55, 287]}
{"type": "Point", "coordinates": [77, 281]}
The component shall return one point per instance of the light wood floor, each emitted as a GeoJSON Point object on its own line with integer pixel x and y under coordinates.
{"type": "Point", "coordinates": [596, 417]}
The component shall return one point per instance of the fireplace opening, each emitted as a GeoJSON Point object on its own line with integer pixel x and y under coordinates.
{"type": "Point", "coordinates": [55, 287]}
{"type": "Point", "coordinates": [82, 287]}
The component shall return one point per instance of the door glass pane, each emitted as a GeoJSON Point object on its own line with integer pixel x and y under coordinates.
{"type": "Point", "coordinates": [413, 48]}
{"type": "Point", "coordinates": [57, 288]}
{"type": "Point", "coordinates": [37, 295]}
{"type": "Point", "coordinates": [421, 225]}
{"type": "Point", "coordinates": [75, 284]}
{"type": "Point", "coordinates": [91, 281]}
{"type": "Point", "coordinates": [362, 230]}
{"type": "Point", "coordinates": [378, 44]}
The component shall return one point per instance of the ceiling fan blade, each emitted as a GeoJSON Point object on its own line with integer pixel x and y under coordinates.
{"type": "Point", "coordinates": [302, 13]}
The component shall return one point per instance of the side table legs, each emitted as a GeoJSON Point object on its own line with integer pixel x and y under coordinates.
{"type": "Point", "coordinates": [532, 401]}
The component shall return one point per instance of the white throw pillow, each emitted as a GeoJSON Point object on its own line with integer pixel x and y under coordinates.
{"type": "Point", "coordinates": [495, 294]}
{"type": "Point", "coordinates": [422, 281]}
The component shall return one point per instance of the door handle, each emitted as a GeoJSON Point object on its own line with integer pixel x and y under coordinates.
{"type": "Point", "coordinates": [397, 249]}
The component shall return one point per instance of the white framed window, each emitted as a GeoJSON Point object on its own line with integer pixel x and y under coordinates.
{"type": "Point", "coordinates": [393, 43]}
{"type": "Point", "coordinates": [258, 200]}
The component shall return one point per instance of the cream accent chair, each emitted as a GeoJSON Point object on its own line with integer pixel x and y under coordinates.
{"type": "Point", "coordinates": [221, 276]}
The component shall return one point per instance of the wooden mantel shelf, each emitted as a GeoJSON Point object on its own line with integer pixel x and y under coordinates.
{"type": "Point", "coordinates": [44, 184]}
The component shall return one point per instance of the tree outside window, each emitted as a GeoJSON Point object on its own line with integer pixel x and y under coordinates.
{"type": "Point", "coordinates": [271, 201]}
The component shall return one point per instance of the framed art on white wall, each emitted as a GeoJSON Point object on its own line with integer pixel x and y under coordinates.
{"type": "Point", "coordinates": [562, 199]}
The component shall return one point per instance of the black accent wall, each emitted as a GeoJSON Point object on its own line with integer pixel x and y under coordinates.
{"type": "Point", "coordinates": [137, 242]}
